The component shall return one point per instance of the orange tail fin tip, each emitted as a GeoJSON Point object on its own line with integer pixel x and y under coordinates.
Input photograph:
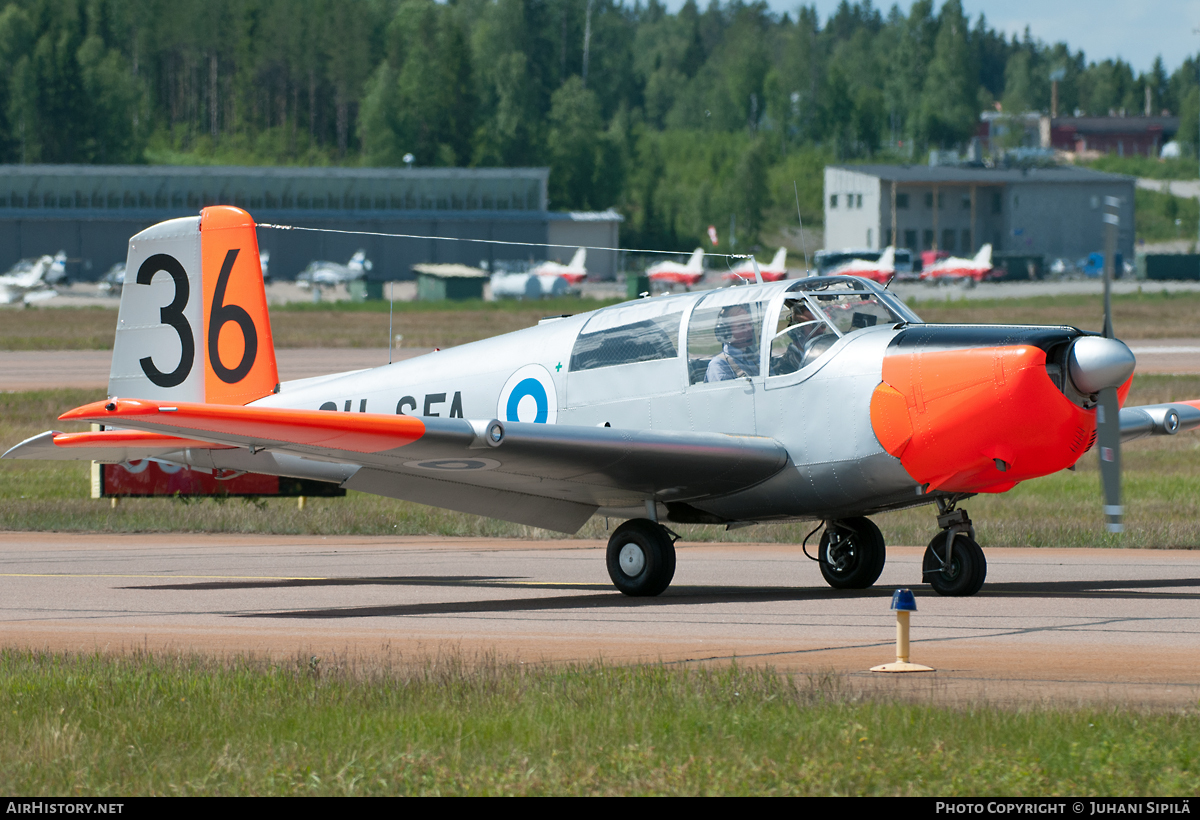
{"type": "Point", "coordinates": [239, 353]}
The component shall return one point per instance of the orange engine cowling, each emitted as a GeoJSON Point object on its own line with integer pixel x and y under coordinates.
{"type": "Point", "coordinates": [979, 418]}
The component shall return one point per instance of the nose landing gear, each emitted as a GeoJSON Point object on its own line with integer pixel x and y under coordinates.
{"type": "Point", "coordinates": [954, 564]}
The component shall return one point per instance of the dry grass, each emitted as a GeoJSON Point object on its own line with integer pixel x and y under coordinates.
{"type": "Point", "coordinates": [1147, 315]}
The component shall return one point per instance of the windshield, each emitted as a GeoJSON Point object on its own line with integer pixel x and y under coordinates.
{"type": "Point", "coordinates": [819, 311]}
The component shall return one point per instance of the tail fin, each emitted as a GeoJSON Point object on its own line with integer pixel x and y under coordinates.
{"type": "Point", "coordinates": [193, 324]}
{"type": "Point", "coordinates": [984, 257]}
{"type": "Point", "coordinates": [780, 260]}
{"type": "Point", "coordinates": [696, 260]}
{"type": "Point", "coordinates": [888, 259]}
{"type": "Point", "coordinates": [579, 259]}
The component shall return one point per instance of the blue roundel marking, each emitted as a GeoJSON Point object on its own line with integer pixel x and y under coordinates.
{"type": "Point", "coordinates": [528, 387]}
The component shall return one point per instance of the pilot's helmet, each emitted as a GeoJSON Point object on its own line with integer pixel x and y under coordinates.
{"type": "Point", "coordinates": [802, 312]}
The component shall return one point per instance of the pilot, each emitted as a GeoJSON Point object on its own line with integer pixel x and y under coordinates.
{"type": "Point", "coordinates": [739, 347]}
{"type": "Point", "coordinates": [803, 328]}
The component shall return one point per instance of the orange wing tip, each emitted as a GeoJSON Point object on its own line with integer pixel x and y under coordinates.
{"type": "Point", "coordinates": [125, 438]}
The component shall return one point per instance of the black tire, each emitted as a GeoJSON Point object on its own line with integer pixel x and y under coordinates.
{"type": "Point", "coordinates": [967, 570]}
{"type": "Point", "coordinates": [854, 558]}
{"type": "Point", "coordinates": [641, 558]}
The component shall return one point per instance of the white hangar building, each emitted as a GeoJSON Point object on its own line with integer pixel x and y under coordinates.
{"type": "Point", "coordinates": [1055, 212]}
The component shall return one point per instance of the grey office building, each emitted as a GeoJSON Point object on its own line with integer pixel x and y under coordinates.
{"type": "Point", "coordinates": [1051, 212]}
{"type": "Point", "coordinates": [91, 211]}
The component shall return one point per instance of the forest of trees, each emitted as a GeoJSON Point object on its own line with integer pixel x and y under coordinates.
{"type": "Point", "coordinates": [679, 120]}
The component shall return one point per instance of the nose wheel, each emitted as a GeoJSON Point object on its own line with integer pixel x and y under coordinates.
{"type": "Point", "coordinates": [641, 558]}
{"type": "Point", "coordinates": [852, 553]}
{"type": "Point", "coordinates": [954, 564]}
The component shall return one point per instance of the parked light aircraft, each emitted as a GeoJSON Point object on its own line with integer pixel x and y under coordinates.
{"type": "Point", "coordinates": [958, 268]}
{"type": "Point", "coordinates": [881, 270]}
{"type": "Point", "coordinates": [330, 274]}
{"type": "Point", "coordinates": [775, 270]}
{"type": "Point", "coordinates": [32, 280]}
{"type": "Point", "coordinates": [574, 271]}
{"type": "Point", "coordinates": [822, 399]}
{"type": "Point", "coordinates": [673, 273]}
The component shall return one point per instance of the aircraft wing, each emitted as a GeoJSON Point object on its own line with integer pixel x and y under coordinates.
{"type": "Point", "coordinates": [545, 475]}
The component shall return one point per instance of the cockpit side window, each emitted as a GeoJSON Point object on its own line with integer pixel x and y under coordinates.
{"type": "Point", "coordinates": [723, 338]}
{"type": "Point", "coordinates": [627, 335]}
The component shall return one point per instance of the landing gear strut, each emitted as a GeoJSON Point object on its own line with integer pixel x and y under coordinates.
{"type": "Point", "coordinates": [641, 557]}
{"type": "Point", "coordinates": [954, 564]}
{"type": "Point", "coordinates": [852, 553]}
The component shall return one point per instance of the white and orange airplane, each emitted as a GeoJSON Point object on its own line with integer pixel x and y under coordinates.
{"type": "Point", "coordinates": [574, 271]}
{"type": "Point", "coordinates": [674, 273]}
{"type": "Point", "coordinates": [957, 268]}
{"type": "Point", "coordinates": [881, 270]}
{"type": "Point", "coordinates": [820, 399]}
{"type": "Point", "coordinates": [773, 271]}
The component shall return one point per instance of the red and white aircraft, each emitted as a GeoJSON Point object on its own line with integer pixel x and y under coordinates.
{"type": "Point", "coordinates": [957, 268]}
{"type": "Point", "coordinates": [772, 272]}
{"type": "Point", "coordinates": [823, 399]}
{"type": "Point", "coordinates": [673, 273]}
{"type": "Point", "coordinates": [881, 270]}
{"type": "Point", "coordinates": [574, 271]}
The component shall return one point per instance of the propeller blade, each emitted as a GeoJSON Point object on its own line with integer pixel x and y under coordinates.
{"type": "Point", "coordinates": [1108, 410]}
{"type": "Point", "coordinates": [1108, 437]}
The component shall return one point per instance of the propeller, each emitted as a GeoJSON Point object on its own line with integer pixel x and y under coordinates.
{"type": "Point", "coordinates": [1098, 366]}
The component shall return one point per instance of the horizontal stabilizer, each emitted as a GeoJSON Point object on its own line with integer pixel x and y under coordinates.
{"type": "Point", "coordinates": [587, 466]}
{"type": "Point", "coordinates": [106, 446]}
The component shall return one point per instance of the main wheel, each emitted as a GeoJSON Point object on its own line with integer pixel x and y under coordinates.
{"type": "Point", "coordinates": [852, 554]}
{"type": "Point", "coordinates": [966, 572]}
{"type": "Point", "coordinates": [641, 558]}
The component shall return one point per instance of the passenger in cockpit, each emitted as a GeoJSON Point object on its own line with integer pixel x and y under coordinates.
{"type": "Point", "coordinates": [739, 347]}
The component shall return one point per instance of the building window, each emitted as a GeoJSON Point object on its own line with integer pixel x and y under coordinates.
{"type": "Point", "coordinates": [910, 240]}
{"type": "Point", "coordinates": [929, 201]}
{"type": "Point", "coordinates": [902, 202]}
{"type": "Point", "coordinates": [948, 240]}
{"type": "Point", "coordinates": [858, 201]}
{"type": "Point", "coordinates": [997, 202]}
{"type": "Point", "coordinates": [869, 245]}
{"type": "Point", "coordinates": [928, 239]}
{"type": "Point", "coordinates": [966, 203]}
{"type": "Point", "coordinates": [966, 241]}
{"type": "Point", "coordinates": [833, 201]}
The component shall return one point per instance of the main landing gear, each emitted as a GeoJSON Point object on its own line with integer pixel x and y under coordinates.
{"type": "Point", "coordinates": [641, 557]}
{"type": "Point", "coordinates": [954, 564]}
{"type": "Point", "coordinates": [852, 553]}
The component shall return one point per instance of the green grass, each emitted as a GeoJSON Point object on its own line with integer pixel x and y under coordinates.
{"type": "Point", "coordinates": [1162, 497]}
{"type": "Point", "coordinates": [1180, 168]}
{"type": "Point", "coordinates": [147, 725]}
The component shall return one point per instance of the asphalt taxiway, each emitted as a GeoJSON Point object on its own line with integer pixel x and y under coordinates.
{"type": "Point", "coordinates": [1050, 624]}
